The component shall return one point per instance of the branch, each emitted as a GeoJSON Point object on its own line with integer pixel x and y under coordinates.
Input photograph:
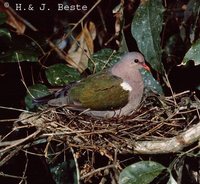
{"type": "Point", "coordinates": [169, 145]}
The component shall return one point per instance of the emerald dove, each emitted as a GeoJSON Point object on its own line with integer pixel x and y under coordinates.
{"type": "Point", "coordinates": [113, 92]}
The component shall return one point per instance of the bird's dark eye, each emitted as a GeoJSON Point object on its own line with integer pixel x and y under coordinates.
{"type": "Point", "coordinates": [136, 60]}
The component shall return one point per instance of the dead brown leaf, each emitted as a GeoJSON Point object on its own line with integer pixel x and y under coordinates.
{"type": "Point", "coordinates": [13, 19]}
{"type": "Point", "coordinates": [83, 45]}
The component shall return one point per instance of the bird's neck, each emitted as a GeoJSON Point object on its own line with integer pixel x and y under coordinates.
{"type": "Point", "coordinates": [127, 74]}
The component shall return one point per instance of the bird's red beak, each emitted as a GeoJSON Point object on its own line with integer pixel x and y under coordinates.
{"type": "Point", "coordinates": [146, 67]}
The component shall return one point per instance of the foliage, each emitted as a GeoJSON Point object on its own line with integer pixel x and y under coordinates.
{"type": "Point", "coordinates": [151, 85]}
{"type": "Point", "coordinates": [5, 33]}
{"type": "Point", "coordinates": [35, 91]}
{"type": "Point", "coordinates": [193, 53]}
{"type": "Point", "coordinates": [14, 55]}
{"type": "Point", "coordinates": [60, 74]}
{"type": "Point", "coordinates": [165, 36]}
{"type": "Point", "coordinates": [102, 59]}
{"type": "Point", "coordinates": [63, 171]}
{"type": "Point", "coordinates": [142, 172]}
{"type": "Point", "coordinates": [2, 18]}
{"type": "Point", "coordinates": [146, 29]}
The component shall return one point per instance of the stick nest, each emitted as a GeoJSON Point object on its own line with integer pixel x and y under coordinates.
{"type": "Point", "coordinates": [159, 125]}
{"type": "Point", "coordinates": [157, 119]}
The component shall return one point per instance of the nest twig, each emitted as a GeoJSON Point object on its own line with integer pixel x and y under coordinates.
{"type": "Point", "coordinates": [156, 120]}
{"type": "Point", "coordinates": [160, 125]}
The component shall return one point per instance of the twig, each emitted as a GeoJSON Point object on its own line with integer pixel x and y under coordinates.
{"type": "Point", "coordinates": [81, 20]}
{"type": "Point", "coordinates": [10, 155]}
{"type": "Point", "coordinates": [76, 164]}
{"type": "Point", "coordinates": [28, 24]}
{"type": "Point", "coordinates": [169, 85]}
{"type": "Point", "coordinates": [10, 176]}
{"type": "Point", "coordinates": [62, 54]}
{"type": "Point", "coordinates": [24, 172]}
{"type": "Point", "coordinates": [20, 141]}
{"type": "Point", "coordinates": [14, 109]}
{"type": "Point", "coordinates": [22, 76]}
{"type": "Point", "coordinates": [97, 170]}
{"type": "Point", "coordinates": [7, 120]}
{"type": "Point", "coordinates": [178, 94]}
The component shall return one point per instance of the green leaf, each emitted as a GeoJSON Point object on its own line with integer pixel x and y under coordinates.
{"type": "Point", "coordinates": [13, 56]}
{"type": "Point", "coordinates": [20, 49]}
{"type": "Point", "coordinates": [5, 33]}
{"type": "Point", "coordinates": [174, 45]}
{"type": "Point", "coordinates": [171, 180]}
{"type": "Point", "coordinates": [102, 59]}
{"type": "Point", "coordinates": [150, 84]}
{"type": "Point", "coordinates": [64, 171]}
{"type": "Point", "coordinates": [146, 28]}
{"type": "Point", "coordinates": [191, 15]}
{"type": "Point", "coordinates": [198, 87]}
{"type": "Point", "coordinates": [61, 74]}
{"type": "Point", "coordinates": [191, 10]}
{"type": "Point", "coordinates": [142, 172]}
{"type": "Point", "coordinates": [193, 53]}
{"type": "Point", "coordinates": [35, 91]}
{"type": "Point", "coordinates": [2, 18]}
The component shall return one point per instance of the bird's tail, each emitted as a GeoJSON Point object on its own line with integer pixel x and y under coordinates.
{"type": "Point", "coordinates": [43, 100]}
{"type": "Point", "coordinates": [58, 94]}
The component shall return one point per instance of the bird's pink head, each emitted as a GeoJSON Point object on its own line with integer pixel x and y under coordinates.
{"type": "Point", "coordinates": [129, 65]}
{"type": "Point", "coordinates": [133, 60]}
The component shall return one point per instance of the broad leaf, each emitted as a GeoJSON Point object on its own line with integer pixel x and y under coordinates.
{"type": "Point", "coordinates": [174, 47]}
{"type": "Point", "coordinates": [64, 173]}
{"type": "Point", "coordinates": [171, 180]}
{"type": "Point", "coordinates": [35, 91]}
{"type": "Point", "coordinates": [198, 87]}
{"type": "Point", "coordinates": [150, 84]}
{"type": "Point", "coordinates": [61, 74]}
{"type": "Point", "coordinates": [13, 56]}
{"type": "Point", "coordinates": [102, 59]}
{"type": "Point", "coordinates": [142, 172]}
{"type": "Point", "coordinates": [62, 166]}
{"type": "Point", "coordinates": [5, 33]}
{"type": "Point", "coordinates": [146, 28]}
{"type": "Point", "coordinates": [193, 53]}
{"type": "Point", "coordinates": [192, 11]}
{"type": "Point", "coordinates": [2, 18]}
{"type": "Point", "coordinates": [82, 44]}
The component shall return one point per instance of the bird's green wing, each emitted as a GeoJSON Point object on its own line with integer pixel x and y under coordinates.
{"type": "Point", "coordinates": [101, 91]}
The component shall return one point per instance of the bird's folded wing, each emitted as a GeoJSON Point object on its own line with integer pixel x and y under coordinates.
{"type": "Point", "coordinates": [101, 91]}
